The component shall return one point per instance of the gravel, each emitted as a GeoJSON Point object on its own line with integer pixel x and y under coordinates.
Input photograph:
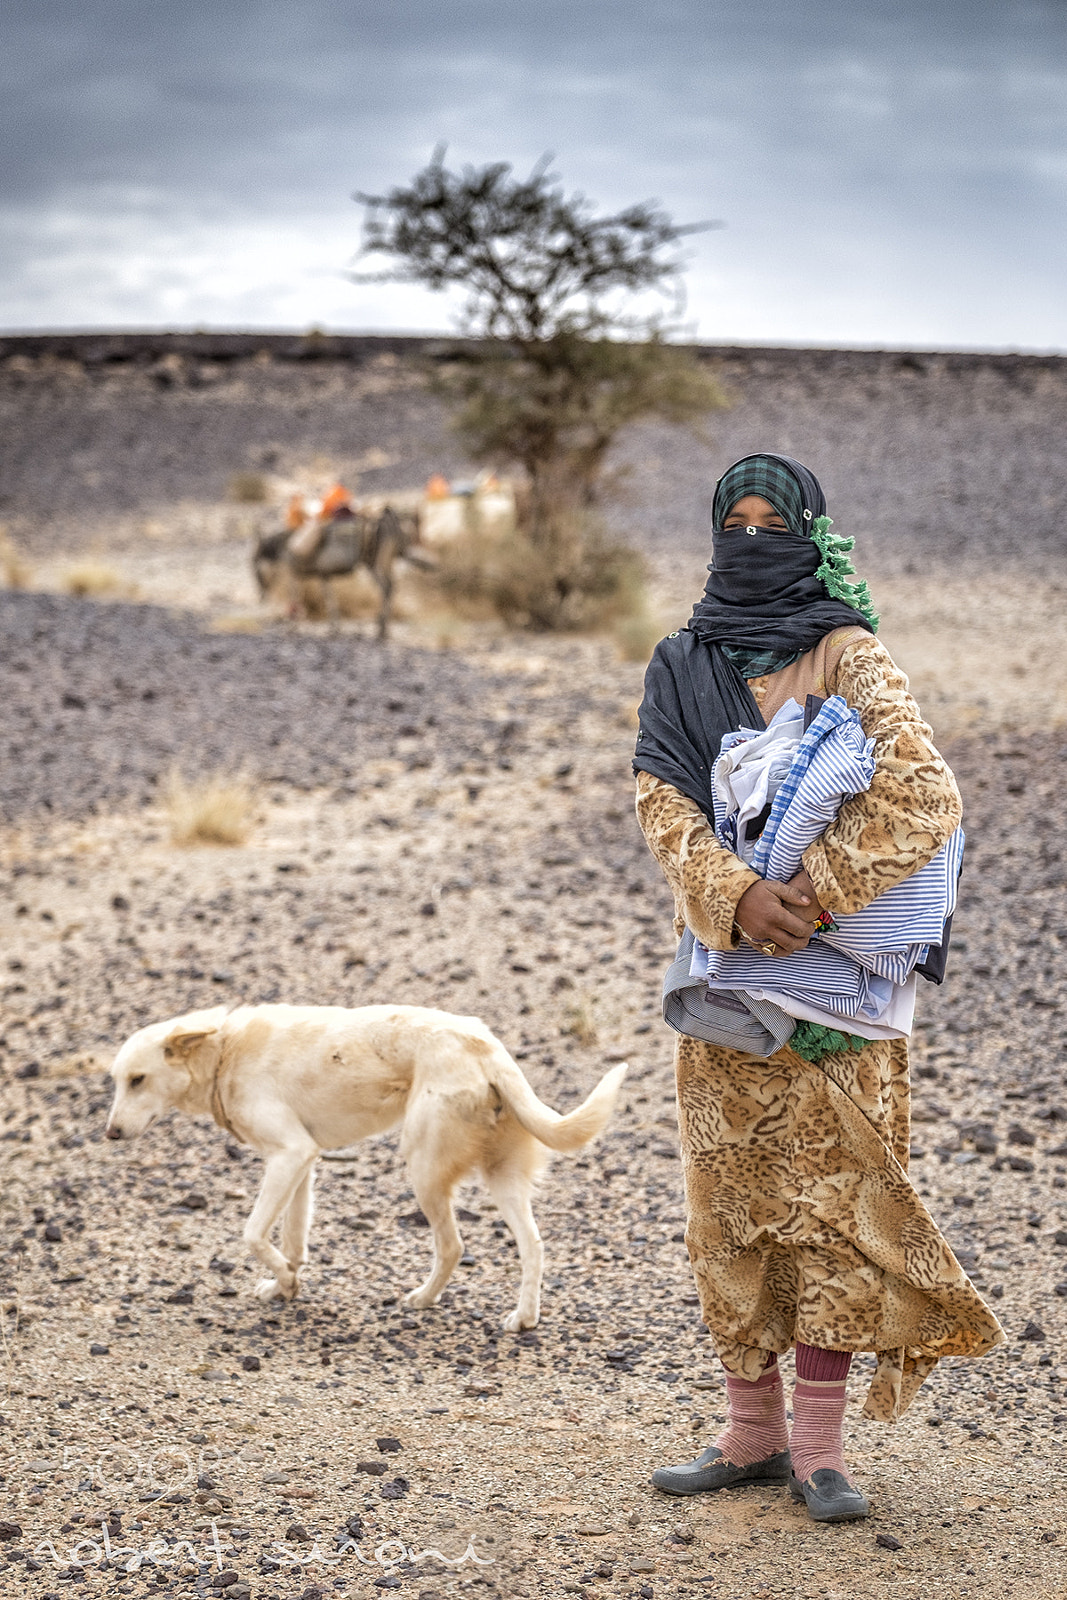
{"type": "Point", "coordinates": [455, 828]}
{"type": "Point", "coordinates": [929, 458]}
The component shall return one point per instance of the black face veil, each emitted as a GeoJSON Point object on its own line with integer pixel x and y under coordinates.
{"type": "Point", "coordinates": [762, 598]}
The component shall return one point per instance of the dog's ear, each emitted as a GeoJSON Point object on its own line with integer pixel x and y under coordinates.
{"type": "Point", "coordinates": [191, 1031]}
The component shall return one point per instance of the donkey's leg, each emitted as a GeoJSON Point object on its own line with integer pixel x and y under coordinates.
{"type": "Point", "coordinates": [384, 577]}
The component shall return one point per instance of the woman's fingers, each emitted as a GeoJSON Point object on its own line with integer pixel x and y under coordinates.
{"type": "Point", "coordinates": [765, 918]}
{"type": "Point", "coordinates": [790, 923]}
{"type": "Point", "coordinates": [802, 885]}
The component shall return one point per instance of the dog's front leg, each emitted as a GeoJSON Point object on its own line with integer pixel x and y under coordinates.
{"type": "Point", "coordinates": [285, 1176]}
{"type": "Point", "coordinates": [296, 1223]}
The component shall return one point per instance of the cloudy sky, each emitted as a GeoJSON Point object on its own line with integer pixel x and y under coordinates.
{"type": "Point", "coordinates": [888, 171]}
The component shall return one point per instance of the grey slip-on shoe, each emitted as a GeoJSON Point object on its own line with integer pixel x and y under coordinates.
{"type": "Point", "coordinates": [829, 1496]}
{"type": "Point", "coordinates": [711, 1471]}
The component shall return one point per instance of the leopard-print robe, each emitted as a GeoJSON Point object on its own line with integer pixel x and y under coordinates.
{"type": "Point", "coordinates": [802, 1222]}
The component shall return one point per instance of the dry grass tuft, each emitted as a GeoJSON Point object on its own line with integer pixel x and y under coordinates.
{"type": "Point", "coordinates": [236, 622]}
{"type": "Point", "coordinates": [580, 1023]}
{"type": "Point", "coordinates": [355, 597]}
{"type": "Point", "coordinates": [217, 809]}
{"type": "Point", "coordinates": [248, 489]}
{"type": "Point", "coordinates": [17, 572]}
{"type": "Point", "coordinates": [93, 580]}
{"type": "Point", "coordinates": [9, 1334]}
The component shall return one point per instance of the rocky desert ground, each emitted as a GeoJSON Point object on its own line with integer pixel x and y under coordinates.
{"type": "Point", "coordinates": [447, 820]}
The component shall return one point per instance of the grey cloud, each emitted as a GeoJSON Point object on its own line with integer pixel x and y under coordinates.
{"type": "Point", "coordinates": [878, 133]}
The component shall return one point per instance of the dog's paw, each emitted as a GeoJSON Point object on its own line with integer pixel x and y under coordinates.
{"type": "Point", "coordinates": [518, 1320]}
{"type": "Point", "coordinates": [418, 1299]}
{"type": "Point", "coordinates": [267, 1289]}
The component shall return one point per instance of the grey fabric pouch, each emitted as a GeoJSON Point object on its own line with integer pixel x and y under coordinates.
{"type": "Point", "coordinates": [720, 1016]}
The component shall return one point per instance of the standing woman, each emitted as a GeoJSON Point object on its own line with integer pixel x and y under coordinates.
{"type": "Point", "coordinates": [802, 1225]}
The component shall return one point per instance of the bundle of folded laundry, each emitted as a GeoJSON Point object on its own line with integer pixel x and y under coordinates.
{"type": "Point", "coordinates": [775, 792]}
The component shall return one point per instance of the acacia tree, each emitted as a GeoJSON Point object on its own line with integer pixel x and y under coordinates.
{"type": "Point", "coordinates": [561, 361]}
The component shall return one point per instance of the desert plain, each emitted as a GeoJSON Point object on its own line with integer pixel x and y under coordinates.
{"type": "Point", "coordinates": [447, 820]}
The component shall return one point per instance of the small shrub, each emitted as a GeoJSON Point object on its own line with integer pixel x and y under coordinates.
{"type": "Point", "coordinates": [213, 810]}
{"type": "Point", "coordinates": [16, 570]}
{"type": "Point", "coordinates": [355, 595]}
{"type": "Point", "coordinates": [92, 580]}
{"type": "Point", "coordinates": [582, 583]}
{"type": "Point", "coordinates": [637, 635]}
{"type": "Point", "coordinates": [248, 489]}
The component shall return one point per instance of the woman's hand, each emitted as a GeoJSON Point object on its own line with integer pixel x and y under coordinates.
{"type": "Point", "coordinates": [782, 914]}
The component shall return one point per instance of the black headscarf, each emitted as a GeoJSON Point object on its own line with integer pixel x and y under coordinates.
{"type": "Point", "coordinates": [762, 595]}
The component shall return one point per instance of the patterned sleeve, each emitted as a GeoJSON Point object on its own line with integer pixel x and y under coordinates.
{"type": "Point", "coordinates": [706, 879]}
{"type": "Point", "coordinates": [912, 806]}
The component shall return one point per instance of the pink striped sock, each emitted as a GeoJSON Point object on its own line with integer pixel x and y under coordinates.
{"type": "Point", "coordinates": [818, 1418]}
{"type": "Point", "coordinates": [755, 1418]}
{"type": "Point", "coordinates": [816, 1365]}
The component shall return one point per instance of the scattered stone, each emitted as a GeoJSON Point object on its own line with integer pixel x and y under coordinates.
{"type": "Point", "coordinates": [592, 1530]}
{"type": "Point", "coordinates": [1033, 1333]}
{"type": "Point", "coordinates": [388, 1446]}
{"type": "Point", "coordinates": [376, 1469]}
{"type": "Point", "coordinates": [99, 1349]}
{"type": "Point", "coordinates": [887, 1541]}
{"type": "Point", "coordinates": [10, 1530]}
{"type": "Point", "coordinates": [250, 1363]}
{"type": "Point", "coordinates": [395, 1489]}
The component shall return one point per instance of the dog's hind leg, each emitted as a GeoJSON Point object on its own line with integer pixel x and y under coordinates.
{"type": "Point", "coordinates": [430, 1152]}
{"type": "Point", "coordinates": [510, 1186]}
{"type": "Point", "coordinates": [286, 1173]}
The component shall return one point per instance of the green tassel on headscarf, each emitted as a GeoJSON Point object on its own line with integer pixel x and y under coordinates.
{"type": "Point", "coordinates": [812, 1041]}
{"type": "Point", "coordinates": [837, 571]}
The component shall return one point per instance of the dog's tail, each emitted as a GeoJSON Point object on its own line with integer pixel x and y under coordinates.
{"type": "Point", "coordinates": [574, 1130]}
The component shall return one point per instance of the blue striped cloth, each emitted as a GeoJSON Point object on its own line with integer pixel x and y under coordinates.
{"type": "Point", "coordinates": [848, 968]}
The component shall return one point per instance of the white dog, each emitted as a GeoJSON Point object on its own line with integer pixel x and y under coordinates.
{"type": "Point", "coordinates": [292, 1081]}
